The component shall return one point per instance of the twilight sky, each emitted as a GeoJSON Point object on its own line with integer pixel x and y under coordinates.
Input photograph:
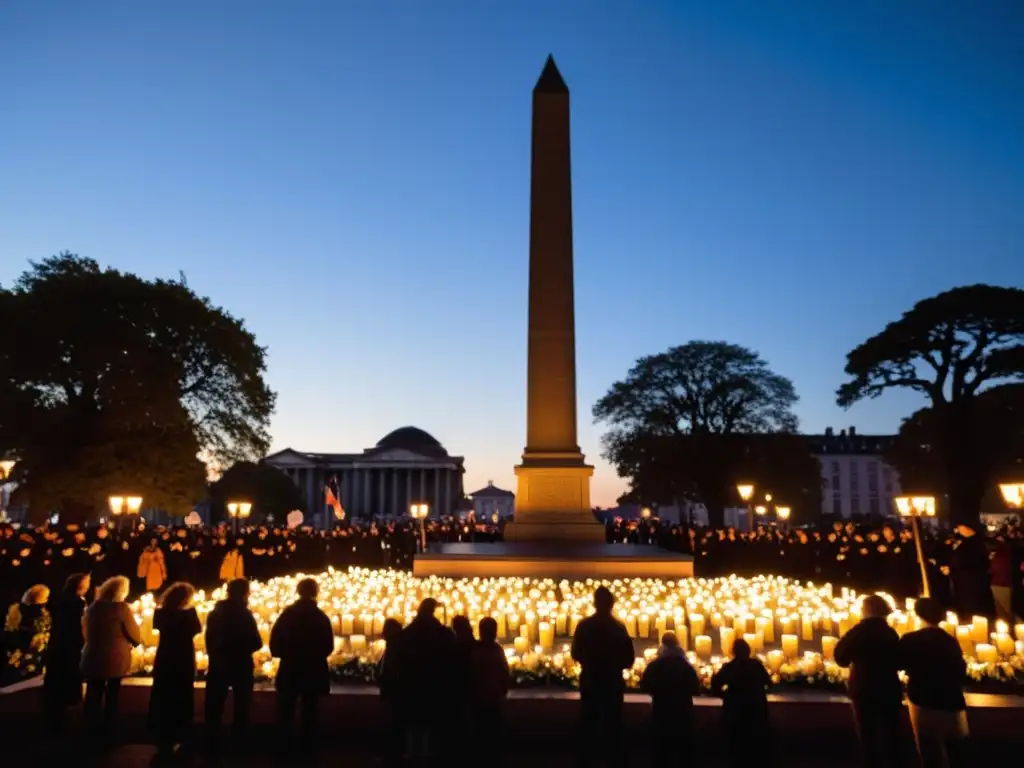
{"type": "Point", "coordinates": [353, 180]}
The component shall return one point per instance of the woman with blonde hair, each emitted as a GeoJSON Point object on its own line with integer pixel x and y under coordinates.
{"type": "Point", "coordinates": [110, 633]}
{"type": "Point", "coordinates": [171, 702]}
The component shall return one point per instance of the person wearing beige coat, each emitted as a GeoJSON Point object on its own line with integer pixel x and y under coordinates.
{"type": "Point", "coordinates": [152, 567]}
{"type": "Point", "coordinates": [110, 633]}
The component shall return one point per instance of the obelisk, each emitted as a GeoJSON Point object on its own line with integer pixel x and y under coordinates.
{"type": "Point", "coordinates": [553, 481]}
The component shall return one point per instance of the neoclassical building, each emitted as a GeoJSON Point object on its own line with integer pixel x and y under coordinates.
{"type": "Point", "coordinates": [407, 466]}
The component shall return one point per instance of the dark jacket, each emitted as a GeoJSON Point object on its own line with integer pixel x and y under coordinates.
{"type": "Point", "coordinates": [488, 674]}
{"type": "Point", "coordinates": [303, 640]}
{"type": "Point", "coordinates": [672, 683]}
{"type": "Point", "coordinates": [871, 649]}
{"type": "Point", "coordinates": [232, 637]}
{"type": "Point", "coordinates": [741, 683]}
{"type": "Point", "coordinates": [63, 682]}
{"type": "Point", "coordinates": [171, 699]}
{"type": "Point", "coordinates": [936, 669]}
{"type": "Point", "coordinates": [426, 650]}
{"type": "Point", "coordinates": [603, 648]}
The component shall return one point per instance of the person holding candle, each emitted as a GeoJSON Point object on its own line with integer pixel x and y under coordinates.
{"type": "Point", "coordinates": [232, 637]}
{"type": "Point", "coordinates": [936, 670]}
{"type": "Point", "coordinates": [871, 649]}
{"type": "Point", "coordinates": [742, 684]}
{"type": "Point", "coordinates": [604, 650]}
{"type": "Point", "coordinates": [672, 682]}
{"type": "Point", "coordinates": [303, 640]}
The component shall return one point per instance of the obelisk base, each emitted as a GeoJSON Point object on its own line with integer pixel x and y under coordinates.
{"type": "Point", "coordinates": [553, 501]}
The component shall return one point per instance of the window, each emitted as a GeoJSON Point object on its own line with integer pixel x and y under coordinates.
{"type": "Point", "coordinates": [887, 479]}
{"type": "Point", "coordinates": [873, 478]}
{"type": "Point", "coordinates": [855, 505]}
{"type": "Point", "coordinates": [873, 506]}
{"type": "Point", "coordinates": [837, 506]}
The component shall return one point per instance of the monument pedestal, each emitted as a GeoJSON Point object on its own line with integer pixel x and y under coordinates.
{"type": "Point", "coordinates": [553, 500]}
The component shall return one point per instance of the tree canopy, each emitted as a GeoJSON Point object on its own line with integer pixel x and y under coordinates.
{"type": "Point", "coordinates": [115, 384]}
{"type": "Point", "coordinates": [269, 490]}
{"type": "Point", "coordinates": [956, 349]}
{"type": "Point", "coordinates": [690, 423]}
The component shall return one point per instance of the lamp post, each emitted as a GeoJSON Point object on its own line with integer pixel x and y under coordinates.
{"type": "Point", "coordinates": [783, 514]}
{"type": "Point", "coordinates": [420, 512]}
{"type": "Point", "coordinates": [915, 507]}
{"type": "Point", "coordinates": [746, 492]}
{"type": "Point", "coordinates": [238, 509]}
{"type": "Point", "coordinates": [6, 467]}
{"type": "Point", "coordinates": [1013, 494]}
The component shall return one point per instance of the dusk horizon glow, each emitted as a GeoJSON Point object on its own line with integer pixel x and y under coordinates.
{"type": "Point", "coordinates": [354, 183]}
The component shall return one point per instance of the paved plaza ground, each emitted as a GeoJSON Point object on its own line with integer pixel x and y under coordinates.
{"type": "Point", "coordinates": [810, 731]}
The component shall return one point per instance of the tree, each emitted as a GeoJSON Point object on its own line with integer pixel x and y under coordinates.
{"type": "Point", "coordinates": [112, 383]}
{"type": "Point", "coordinates": [952, 348]}
{"type": "Point", "coordinates": [689, 423]}
{"type": "Point", "coordinates": [269, 490]}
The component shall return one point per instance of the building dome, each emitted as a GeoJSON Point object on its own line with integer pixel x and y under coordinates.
{"type": "Point", "coordinates": [412, 439]}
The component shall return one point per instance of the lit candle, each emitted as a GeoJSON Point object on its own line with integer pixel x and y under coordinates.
{"type": "Point", "coordinates": [696, 624]}
{"type": "Point", "coordinates": [986, 653]}
{"type": "Point", "coordinates": [807, 627]}
{"type": "Point", "coordinates": [979, 629]}
{"type": "Point", "coordinates": [347, 621]}
{"type": "Point", "coordinates": [661, 625]}
{"type": "Point", "coordinates": [547, 635]}
{"type": "Point", "coordinates": [643, 625]}
{"type": "Point", "coordinates": [683, 636]}
{"type": "Point", "coordinates": [790, 646]}
{"type": "Point", "coordinates": [499, 619]}
{"type": "Point", "coordinates": [561, 624]}
{"type": "Point", "coordinates": [1003, 643]}
{"type": "Point", "coordinates": [751, 639]}
{"type": "Point", "coordinates": [726, 636]}
{"type": "Point", "coordinates": [366, 623]}
{"type": "Point", "coordinates": [767, 625]}
{"type": "Point", "coordinates": [963, 636]}
{"type": "Point", "coordinates": [828, 647]}
{"type": "Point", "coordinates": [702, 646]}
{"type": "Point", "coordinates": [775, 659]}
{"type": "Point", "coordinates": [358, 643]}
{"type": "Point", "coordinates": [521, 645]}
{"type": "Point", "coordinates": [1018, 630]}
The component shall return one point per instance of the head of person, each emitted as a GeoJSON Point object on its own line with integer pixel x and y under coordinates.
{"type": "Point", "coordinates": [875, 607]}
{"type": "Point", "coordinates": [462, 628]}
{"type": "Point", "coordinates": [740, 649]}
{"type": "Point", "coordinates": [238, 591]}
{"type": "Point", "coordinates": [113, 590]}
{"type": "Point", "coordinates": [427, 608]}
{"type": "Point", "coordinates": [102, 532]}
{"type": "Point", "coordinates": [77, 585]}
{"type": "Point", "coordinates": [36, 595]}
{"type": "Point", "coordinates": [604, 601]}
{"type": "Point", "coordinates": [177, 597]}
{"type": "Point", "coordinates": [152, 543]}
{"type": "Point", "coordinates": [488, 630]}
{"type": "Point", "coordinates": [391, 630]}
{"type": "Point", "coordinates": [669, 645]}
{"type": "Point", "coordinates": [307, 589]}
{"type": "Point", "coordinates": [930, 611]}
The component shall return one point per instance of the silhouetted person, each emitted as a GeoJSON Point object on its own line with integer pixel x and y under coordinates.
{"type": "Point", "coordinates": [603, 648]}
{"type": "Point", "coordinates": [935, 667]}
{"type": "Point", "coordinates": [232, 637]}
{"type": "Point", "coordinates": [389, 682]}
{"type": "Point", "coordinates": [742, 684]}
{"type": "Point", "coordinates": [110, 633]}
{"type": "Point", "coordinates": [672, 682]}
{"type": "Point", "coordinates": [171, 699]}
{"type": "Point", "coordinates": [489, 683]}
{"type": "Point", "coordinates": [969, 574]}
{"type": "Point", "coordinates": [426, 651]}
{"type": "Point", "coordinates": [871, 650]}
{"type": "Point", "coordinates": [62, 683]}
{"type": "Point", "coordinates": [458, 691]}
{"type": "Point", "coordinates": [302, 638]}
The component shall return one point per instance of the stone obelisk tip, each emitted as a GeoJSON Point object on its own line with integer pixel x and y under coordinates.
{"type": "Point", "coordinates": [550, 80]}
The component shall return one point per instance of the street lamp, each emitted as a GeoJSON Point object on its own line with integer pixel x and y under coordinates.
{"type": "Point", "coordinates": [645, 513]}
{"type": "Point", "coordinates": [783, 514]}
{"type": "Point", "coordinates": [420, 512]}
{"type": "Point", "coordinates": [915, 507]}
{"type": "Point", "coordinates": [238, 509]}
{"type": "Point", "coordinates": [746, 492]}
{"type": "Point", "coordinates": [6, 467]}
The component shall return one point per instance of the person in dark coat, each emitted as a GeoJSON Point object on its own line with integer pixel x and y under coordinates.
{"type": "Point", "coordinates": [936, 669]}
{"type": "Point", "coordinates": [603, 648]}
{"type": "Point", "coordinates": [62, 683]}
{"type": "Point", "coordinates": [302, 638]}
{"type": "Point", "coordinates": [426, 654]}
{"type": "Point", "coordinates": [672, 682]}
{"type": "Point", "coordinates": [171, 699]}
{"type": "Point", "coordinates": [389, 683]}
{"type": "Point", "coordinates": [742, 684]}
{"type": "Point", "coordinates": [459, 685]}
{"type": "Point", "coordinates": [232, 637]}
{"type": "Point", "coordinates": [969, 574]}
{"type": "Point", "coordinates": [871, 649]}
{"type": "Point", "coordinates": [489, 684]}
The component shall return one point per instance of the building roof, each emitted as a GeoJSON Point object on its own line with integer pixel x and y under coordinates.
{"type": "Point", "coordinates": [412, 439]}
{"type": "Point", "coordinates": [847, 442]}
{"type": "Point", "coordinates": [492, 492]}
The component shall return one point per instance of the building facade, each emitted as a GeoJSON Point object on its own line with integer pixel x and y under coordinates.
{"type": "Point", "coordinates": [855, 480]}
{"type": "Point", "coordinates": [492, 500]}
{"type": "Point", "coordinates": [407, 466]}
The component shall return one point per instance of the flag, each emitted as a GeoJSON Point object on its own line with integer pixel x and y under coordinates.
{"type": "Point", "coordinates": [332, 498]}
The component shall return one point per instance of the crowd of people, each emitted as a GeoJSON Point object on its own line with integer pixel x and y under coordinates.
{"type": "Point", "coordinates": [440, 683]}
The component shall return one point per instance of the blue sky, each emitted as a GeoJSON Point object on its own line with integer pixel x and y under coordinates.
{"type": "Point", "coordinates": [353, 180]}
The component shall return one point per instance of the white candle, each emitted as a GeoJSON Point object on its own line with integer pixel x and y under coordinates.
{"type": "Point", "coordinates": [521, 645]}
{"type": "Point", "coordinates": [775, 659]}
{"type": "Point", "coordinates": [346, 623]}
{"type": "Point", "coordinates": [807, 625]}
{"type": "Point", "coordinates": [547, 635]}
{"type": "Point", "coordinates": [643, 625]}
{"type": "Point", "coordinates": [1018, 630]}
{"type": "Point", "coordinates": [561, 624]}
{"type": "Point", "coordinates": [726, 636]}
{"type": "Point", "coordinates": [661, 625]}
{"type": "Point", "coordinates": [358, 643]}
{"type": "Point", "coordinates": [986, 653]}
{"type": "Point", "coordinates": [1003, 643]}
{"type": "Point", "coordinates": [979, 629]}
{"type": "Point", "coordinates": [828, 647]}
{"type": "Point", "coordinates": [683, 636]}
{"type": "Point", "coordinates": [499, 619]}
{"type": "Point", "coordinates": [790, 646]}
{"type": "Point", "coordinates": [696, 624]}
{"type": "Point", "coordinates": [963, 636]}
{"type": "Point", "coordinates": [702, 646]}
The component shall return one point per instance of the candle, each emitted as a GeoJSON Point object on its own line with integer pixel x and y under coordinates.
{"type": "Point", "coordinates": [524, 632]}
{"type": "Point", "coordinates": [767, 625]}
{"type": "Point", "coordinates": [561, 624]}
{"type": "Point", "coordinates": [574, 621]}
{"type": "Point", "coordinates": [786, 623]}
{"type": "Point", "coordinates": [828, 647]}
{"type": "Point", "coordinates": [521, 645]}
{"type": "Point", "coordinates": [643, 625]}
{"type": "Point", "coordinates": [366, 623]}
{"type": "Point", "coordinates": [963, 636]}
{"type": "Point", "coordinates": [844, 623]}
{"type": "Point", "coordinates": [702, 646]}
{"type": "Point", "coordinates": [630, 621]}
{"type": "Point", "coordinates": [1003, 643]}
{"type": "Point", "coordinates": [1018, 631]}
{"type": "Point", "coordinates": [358, 643]}
{"type": "Point", "coordinates": [661, 625]}
{"type": "Point", "coordinates": [986, 653]}
{"type": "Point", "coordinates": [949, 626]}
{"type": "Point", "coordinates": [346, 623]}
{"type": "Point", "coordinates": [513, 623]}
{"type": "Point", "coordinates": [547, 635]}
{"type": "Point", "coordinates": [790, 646]}
{"type": "Point", "coordinates": [499, 619]}
{"type": "Point", "coordinates": [979, 629]}
{"type": "Point", "coordinates": [726, 636]}
{"type": "Point", "coordinates": [751, 639]}
{"type": "Point", "coordinates": [775, 659]}
{"type": "Point", "coordinates": [683, 637]}
{"type": "Point", "coordinates": [697, 624]}
{"type": "Point", "coordinates": [807, 627]}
